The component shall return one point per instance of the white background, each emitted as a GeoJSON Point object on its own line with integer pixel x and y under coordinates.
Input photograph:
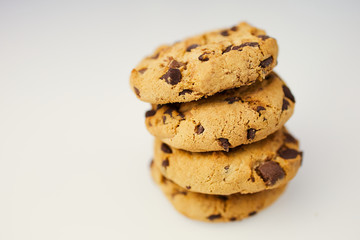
{"type": "Point", "coordinates": [74, 151]}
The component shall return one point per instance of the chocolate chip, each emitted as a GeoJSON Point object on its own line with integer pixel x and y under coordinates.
{"type": "Point", "coordinates": [214, 216]}
{"type": "Point", "coordinates": [172, 76]}
{"type": "Point", "coordinates": [231, 100]}
{"type": "Point", "coordinates": [270, 172]}
{"type": "Point", "coordinates": [232, 219]}
{"type": "Point", "coordinates": [288, 93]}
{"type": "Point", "coordinates": [252, 213]}
{"type": "Point", "coordinates": [137, 92]}
{"type": "Point", "coordinates": [199, 129]}
{"type": "Point", "coordinates": [203, 57]}
{"type": "Point", "coordinates": [289, 138]}
{"type": "Point", "coordinates": [260, 108]}
{"type": "Point", "coordinates": [227, 49]}
{"type": "Point", "coordinates": [266, 62]}
{"type": "Point", "coordinates": [247, 44]}
{"type": "Point", "coordinates": [152, 163]}
{"type": "Point", "coordinates": [165, 148]}
{"type": "Point", "coordinates": [227, 167]}
{"type": "Point", "coordinates": [234, 28]}
{"type": "Point", "coordinates": [164, 119]}
{"type": "Point", "coordinates": [142, 70]}
{"type": "Point", "coordinates": [285, 105]}
{"type": "Point", "coordinates": [251, 133]}
{"type": "Point", "coordinates": [176, 64]}
{"type": "Point", "coordinates": [150, 113]}
{"type": "Point", "coordinates": [224, 143]}
{"type": "Point", "coordinates": [225, 33]}
{"type": "Point", "coordinates": [159, 106]}
{"type": "Point", "coordinates": [165, 163]}
{"type": "Point", "coordinates": [170, 110]}
{"type": "Point", "coordinates": [288, 153]}
{"type": "Point", "coordinates": [191, 47]}
{"type": "Point", "coordinates": [185, 91]}
{"type": "Point", "coordinates": [222, 197]}
{"type": "Point", "coordinates": [263, 37]}
{"type": "Point", "coordinates": [188, 187]}
{"type": "Point", "coordinates": [155, 56]}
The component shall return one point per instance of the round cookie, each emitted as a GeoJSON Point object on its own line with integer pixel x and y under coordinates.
{"type": "Point", "coordinates": [267, 164]}
{"type": "Point", "coordinates": [214, 208]}
{"type": "Point", "coordinates": [225, 120]}
{"type": "Point", "coordinates": [204, 65]}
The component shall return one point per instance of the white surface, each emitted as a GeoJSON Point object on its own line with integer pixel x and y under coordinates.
{"type": "Point", "coordinates": [74, 151]}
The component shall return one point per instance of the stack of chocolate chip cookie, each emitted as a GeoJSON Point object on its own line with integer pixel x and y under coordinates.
{"type": "Point", "coordinates": [221, 150]}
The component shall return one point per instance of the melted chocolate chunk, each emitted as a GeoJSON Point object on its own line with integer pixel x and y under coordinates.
{"type": "Point", "coordinates": [137, 92]}
{"type": "Point", "coordinates": [191, 47]}
{"type": "Point", "coordinates": [260, 108]}
{"type": "Point", "coordinates": [270, 172]}
{"type": "Point", "coordinates": [188, 187]}
{"type": "Point", "coordinates": [224, 33]}
{"type": "Point", "coordinates": [172, 76]}
{"type": "Point", "coordinates": [263, 37]}
{"type": "Point", "coordinates": [227, 49]}
{"type": "Point", "coordinates": [165, 163]}
{"type": "Point", "coordinates": [247, 44]}
{"type": "Point", "coordinates": [199, 129]}
{"type": "Point", "coordinates": [288, 93]}
{"type": "Point", "coordinates": [234, 28]}
{"type": "Point", "coordinates": [176, 64]}
{"type": "Point", "coordinates": [203, 57]}
{"type": "Point", "coordinates": [231, 100]}
{"type": "Point", "coordinates": [150, 113]}
{"type": "Point", "coordinates": [289, 138]}
{"type": "Point", "coordinates": [185, 91]}
{"type": "Point", "coordinates": [252, 213]}
{"type": "Point", "coordinates": [224, 143]}
{"type": "Point", "coordinates": [288, 153]}
{"type": "Point", "coordinates": [251, 133]}
{"type": "Point", "coordinates": [170, 111]}
{"type": "Point", "coordinates": [232, 219]}
{"type": "Point", "coordinates": [141, 71]}
{"type": "Point", "coordinates": [165, 148]}
{"type": "Point", "coordinates": [266, 62]}
{"type": "Point", "coordinates": [285, 105]}
{"type": "Point", "coordinates": [214, 216]}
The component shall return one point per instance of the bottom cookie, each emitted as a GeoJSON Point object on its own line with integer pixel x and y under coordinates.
{"type": "Point", "coordinates": [214, 208]}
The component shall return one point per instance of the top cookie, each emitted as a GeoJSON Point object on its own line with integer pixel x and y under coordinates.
{"type": "Point", "coordinates": [204, 65]}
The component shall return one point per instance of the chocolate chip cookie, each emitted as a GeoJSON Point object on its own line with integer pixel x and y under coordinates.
{"type": "Point", "coordinates": [214, 208]}
{"type": "Point", "coordinates": [225, 120]}
{"type": "Point", "coordinates": [267, 164]}
{"type": "Point", "coordinates": [203, 65]}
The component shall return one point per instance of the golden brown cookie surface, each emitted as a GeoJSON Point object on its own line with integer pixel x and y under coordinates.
{"type": "Point", "coordinates": [204, 65]}
{"type": "Point", "coordinates": [267, 164]}
{"type": "Point", "coordinates": [214, 208]}
{"type": "Point", "coordinates": [226, 120]}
